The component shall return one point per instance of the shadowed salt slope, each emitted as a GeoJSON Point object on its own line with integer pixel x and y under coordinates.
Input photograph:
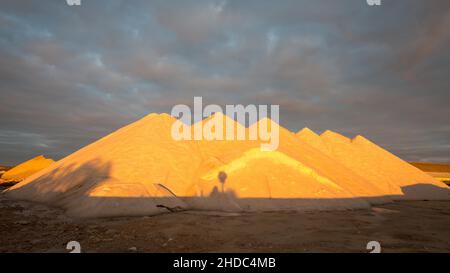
{"type": "Point", "coordinates": [140, 170]}
{"type": "Point", "coordinates": [27, 168]}
{"type": "Point", "coordinates": [395, 176]}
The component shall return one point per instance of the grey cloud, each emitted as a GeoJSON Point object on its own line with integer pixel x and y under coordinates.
{"type": "Point", "coordinates": [71, 75]}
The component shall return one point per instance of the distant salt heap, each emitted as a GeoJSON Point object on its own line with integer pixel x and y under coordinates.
{"type": "Point", "coordinates": [140, 170]}
{"type": "Point", "coordinates": [27, 168]}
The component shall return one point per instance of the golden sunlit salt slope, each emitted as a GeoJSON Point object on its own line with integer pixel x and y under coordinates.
{"type": "Point", "coordinates": [217, 153]}
{"type": "Point", "coordinates": [270, 180]}
{"type": "Point", "coordinates": [394, 176]}
{"type": "Point", "coordinates": [27, 168]}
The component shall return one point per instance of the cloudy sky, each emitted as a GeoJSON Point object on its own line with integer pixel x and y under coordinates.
{"type": "Point", "coordinates": [69, 75]}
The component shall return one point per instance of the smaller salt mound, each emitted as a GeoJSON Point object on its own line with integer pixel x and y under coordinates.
{"type": "Point", "coordinates": [262, 180]}
{"type": "Point", "coordinates": [414, 183]}
{"type": "Point", "coordinates": [27, 168]}
{"type": "Point", "coordinates": [394, 176]}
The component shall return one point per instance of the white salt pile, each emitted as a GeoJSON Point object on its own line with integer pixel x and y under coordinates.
{"type": "Point", "coordinates": [141, 170]}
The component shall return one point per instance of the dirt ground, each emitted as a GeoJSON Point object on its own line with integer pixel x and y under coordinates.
{"type": "Point", "coordinates": [413, 226]}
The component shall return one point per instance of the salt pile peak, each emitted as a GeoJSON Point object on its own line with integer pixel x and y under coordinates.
{"type": "Point", "coordinates": [313, 139]}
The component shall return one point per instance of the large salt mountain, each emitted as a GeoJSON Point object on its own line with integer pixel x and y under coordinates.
{"type": "Point", "coordinates": [141, 170]}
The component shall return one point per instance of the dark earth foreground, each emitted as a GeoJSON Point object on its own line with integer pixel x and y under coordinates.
{"type": "Point", "coordinates": [407, 226]}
